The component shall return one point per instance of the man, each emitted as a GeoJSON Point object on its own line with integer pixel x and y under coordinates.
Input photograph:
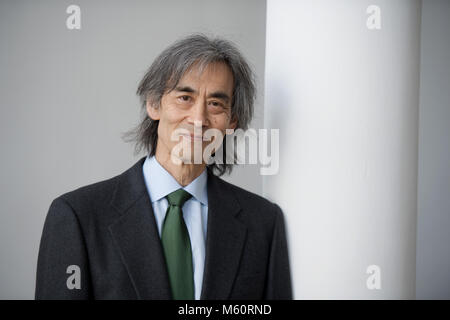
{"type": "Point", "coordinates": [169, 227]}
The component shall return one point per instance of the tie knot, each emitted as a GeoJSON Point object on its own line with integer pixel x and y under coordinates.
{"type": "Point", "coordinates": [178, 198]}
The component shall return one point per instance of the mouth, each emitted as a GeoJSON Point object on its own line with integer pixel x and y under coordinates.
{"type": "Point", "coordinates": [193, 137]}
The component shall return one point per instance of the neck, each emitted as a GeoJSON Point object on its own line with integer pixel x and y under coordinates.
{"type": "Point", "coordinates": [183, 173]}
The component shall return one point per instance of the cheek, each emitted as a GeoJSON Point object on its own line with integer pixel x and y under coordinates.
{"type": "Point", "coordinates": [220, 122]}
{"type": "Point", "coordinates": [169, 121]}
{"type": "Point", "coordinates": [174, 115]}
{"type": "Point", "coordinates": [171, 116]}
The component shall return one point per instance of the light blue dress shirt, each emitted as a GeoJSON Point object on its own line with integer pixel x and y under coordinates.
{"type": "Point", "coordinates": [159, 184]}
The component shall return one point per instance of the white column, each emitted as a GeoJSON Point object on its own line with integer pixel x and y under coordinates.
{"type": "Point", "coordinates": [345, 98]}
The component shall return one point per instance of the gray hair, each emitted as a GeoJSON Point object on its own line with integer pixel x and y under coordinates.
{"type": "Point", "coordinates": [167, 70]}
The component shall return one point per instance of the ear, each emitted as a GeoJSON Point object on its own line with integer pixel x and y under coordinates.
{"type": "Point", "coordinates": [233, 123]}
{"type": "Point", "coordinates": [152, 112]}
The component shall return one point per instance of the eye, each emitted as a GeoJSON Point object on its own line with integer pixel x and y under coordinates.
{"type": "Point", "coordinates": [216, 104]}
{"type": "Point", "coordinates": [184, 98]}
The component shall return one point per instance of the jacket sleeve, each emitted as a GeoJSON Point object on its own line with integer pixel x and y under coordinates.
{"type": "Point", "coordinates": [278, 286]}
{"type": "Point", "coordinates": [62, 268]}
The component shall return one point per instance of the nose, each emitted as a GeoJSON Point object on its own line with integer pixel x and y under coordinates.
{"type": "Point", "coordinates": [198, 116]}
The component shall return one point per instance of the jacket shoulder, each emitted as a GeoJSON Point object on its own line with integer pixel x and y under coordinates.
{"type": "Point", "coordinates": [93, 201]}
{"type": "Point", "coordinates": [99, 192]}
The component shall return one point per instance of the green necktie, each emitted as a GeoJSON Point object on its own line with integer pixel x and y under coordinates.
{"type": "Point", "coordinates": [177, 247]}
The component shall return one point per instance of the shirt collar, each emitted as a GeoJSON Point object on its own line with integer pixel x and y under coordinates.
{"type": "Point", "coordinates": [160, 182]}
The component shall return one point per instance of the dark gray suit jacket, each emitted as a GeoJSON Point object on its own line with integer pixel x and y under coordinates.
{"type": "Point", "coordinates": [108, 229]}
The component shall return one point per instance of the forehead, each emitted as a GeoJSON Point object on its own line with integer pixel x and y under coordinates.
{"type": "Point", "coordinates": [214, 76]}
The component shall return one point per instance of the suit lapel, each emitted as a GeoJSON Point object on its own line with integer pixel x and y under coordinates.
{"type": "Point", "coordinates": [224, 243]}
{"type": "Point", "coordinates": [136, 236]}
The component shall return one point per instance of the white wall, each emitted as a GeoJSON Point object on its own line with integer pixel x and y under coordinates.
{"type": "Point", "coordinates": [345, 99]}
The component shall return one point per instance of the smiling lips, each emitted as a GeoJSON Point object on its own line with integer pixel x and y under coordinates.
{"type": "Point", "coordinates": [193, 137]}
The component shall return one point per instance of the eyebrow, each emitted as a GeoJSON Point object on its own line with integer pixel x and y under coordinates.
{"type": "Point", "coordinates": [218, 94]}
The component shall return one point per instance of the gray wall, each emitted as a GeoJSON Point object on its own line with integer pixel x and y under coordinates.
{"type": "Point", "coordinates": [433, 227]}
{"type": "Point", "coordinates": [66, 97]}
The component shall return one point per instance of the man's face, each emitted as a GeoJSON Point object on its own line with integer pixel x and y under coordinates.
{"type": "Point", "coordinates": [200, 101]}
